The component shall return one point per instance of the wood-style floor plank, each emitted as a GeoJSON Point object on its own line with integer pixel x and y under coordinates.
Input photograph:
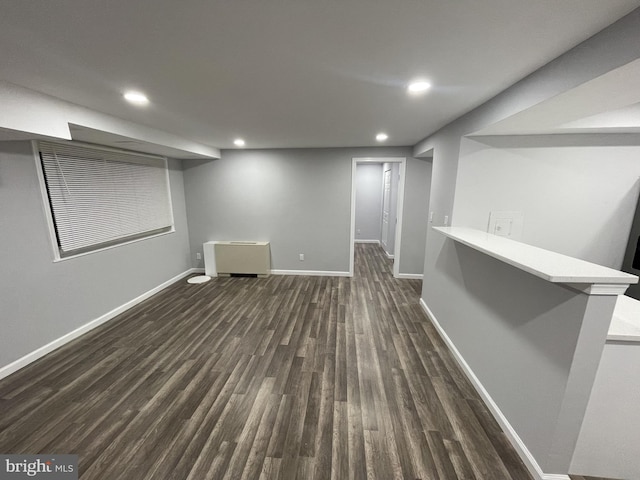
{"type": "Point", "coordinates": [285, 377]}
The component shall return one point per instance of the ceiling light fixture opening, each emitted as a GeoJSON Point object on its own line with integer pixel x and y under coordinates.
{"type": "Point", "coordinates": [418, 87]}
{"type": "Point", "coordinates": [239, 142]}
{"type": "Point", "coordinates": [381, 137]}
{"type": "Point", "coordinates": [137, 98]}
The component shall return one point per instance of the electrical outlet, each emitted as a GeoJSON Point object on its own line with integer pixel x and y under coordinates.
{"type": "Point", "coordinates": [302, 257]}
{"type": "Point", "coordinates": [198, 256]}
{"type": "Point", "coordinates": [446, 220]}
{"type": "Point", "coordinates": [431, 217]}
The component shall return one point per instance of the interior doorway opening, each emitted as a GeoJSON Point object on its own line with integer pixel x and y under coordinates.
{"type": "Point", "coordinates": [386, 227]}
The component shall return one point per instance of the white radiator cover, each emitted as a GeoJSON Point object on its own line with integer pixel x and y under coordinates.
{"type": "Point", "coordinates": [226, 258]}
{"type": "Point", "coordinates": [210, 259]}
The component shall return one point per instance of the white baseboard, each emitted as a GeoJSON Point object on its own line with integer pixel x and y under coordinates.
{"type": "Point", "coordinates": [359, 240]}
{"type": "Point", "coordinates": [389, 256]}
{"type": "Point", "coordinates": [416, 276]}
{"type": "Point", "coordinates": [515, 440]}
{"type": "Point", "coordinates": [311, 273]}
{"type": "Point", "coordinates": [57, 343]}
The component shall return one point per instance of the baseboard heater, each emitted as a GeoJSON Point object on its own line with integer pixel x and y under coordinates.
{"type": "Point", "coordinates": [237, 258]}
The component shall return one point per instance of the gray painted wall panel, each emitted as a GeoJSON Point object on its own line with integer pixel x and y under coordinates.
{"type": "Point", "coordinates": [517, 332]}
{"type": "Point", "coordinates": [573, 202]}
{"type": "Point", "coordinates": [298, 199]}
{"type": "Point", "coordinates": [41, 300]}
{"type": "Point", "coordinates": [416, 215]}
{"type": "Point", "coordinates": [368, 201]}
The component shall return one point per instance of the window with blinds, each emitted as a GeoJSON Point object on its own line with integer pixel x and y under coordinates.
{"type": "Point", "coordinates": [102, 197]}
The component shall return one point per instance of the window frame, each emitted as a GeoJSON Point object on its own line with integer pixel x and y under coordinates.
{"type": "Point", "coordinates": [48, 210]}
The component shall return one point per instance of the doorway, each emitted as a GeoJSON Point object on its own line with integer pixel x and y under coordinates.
{"type": "Point", "coordinates": [389, 234]}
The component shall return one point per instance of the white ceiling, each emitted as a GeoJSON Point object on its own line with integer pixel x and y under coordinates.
{"type": "Point", "coordinates": [619, 120]}
{"type": "Point", "coordinates": [289, 73]}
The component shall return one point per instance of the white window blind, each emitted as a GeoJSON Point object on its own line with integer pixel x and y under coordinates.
{"type": "Point", "coordinates": [100, 197]}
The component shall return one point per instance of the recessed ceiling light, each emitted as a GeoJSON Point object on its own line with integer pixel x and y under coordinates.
{"type": "Point", "coordinates": [381, 137]}
{"type": "Point", "coordinates": [238, 142]}
{"type": "Point", "coordinates": [137, 98]}
{"type": "Point", "coordinates": [418, 87]}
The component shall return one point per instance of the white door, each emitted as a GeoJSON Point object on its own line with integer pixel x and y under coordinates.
{"type": "Point", "coordinates": [386, 196]}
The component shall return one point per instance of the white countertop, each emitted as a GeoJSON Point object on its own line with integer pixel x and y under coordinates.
{"type": "Point", "coordinates": [625, 325]}
{"type": "Point", "coordinates": [551, 266]}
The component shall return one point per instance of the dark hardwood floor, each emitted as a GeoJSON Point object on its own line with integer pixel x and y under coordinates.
{"type": "Point", "coordinates": [284, 377]}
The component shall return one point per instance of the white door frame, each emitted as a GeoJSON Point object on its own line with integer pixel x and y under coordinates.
{"type": "Point", "coordinates": [400, 206]}
{"type": "Point", "coordinates": [384, 176]}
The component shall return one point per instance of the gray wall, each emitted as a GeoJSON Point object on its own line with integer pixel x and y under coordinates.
{"type": "Point", "coordinates": [368, 201]}
{"type": "Point", "coordinates": [416, 215]}
{"type": "Point", "coordinates": [614, 47]}
{"type": "Point", "coordinates": [298, 199]}
{"type": "Point", "coordinates": [41, 300]}
{"type": "Point", "coordinates": [578, 194]}
{"type": "Point", "coordinates": [520, 336]}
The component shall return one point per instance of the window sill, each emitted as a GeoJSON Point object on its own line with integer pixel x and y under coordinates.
{"type": "Point", "coordinates": [58, 258]}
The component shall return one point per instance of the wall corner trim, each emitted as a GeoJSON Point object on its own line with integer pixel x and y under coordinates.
{"type": "Point", "coordinates": [527, 457]}
{"type": "Point", "coordinates": [16, 365]}
{"type": "Point", "coordinates": [411, 276]}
